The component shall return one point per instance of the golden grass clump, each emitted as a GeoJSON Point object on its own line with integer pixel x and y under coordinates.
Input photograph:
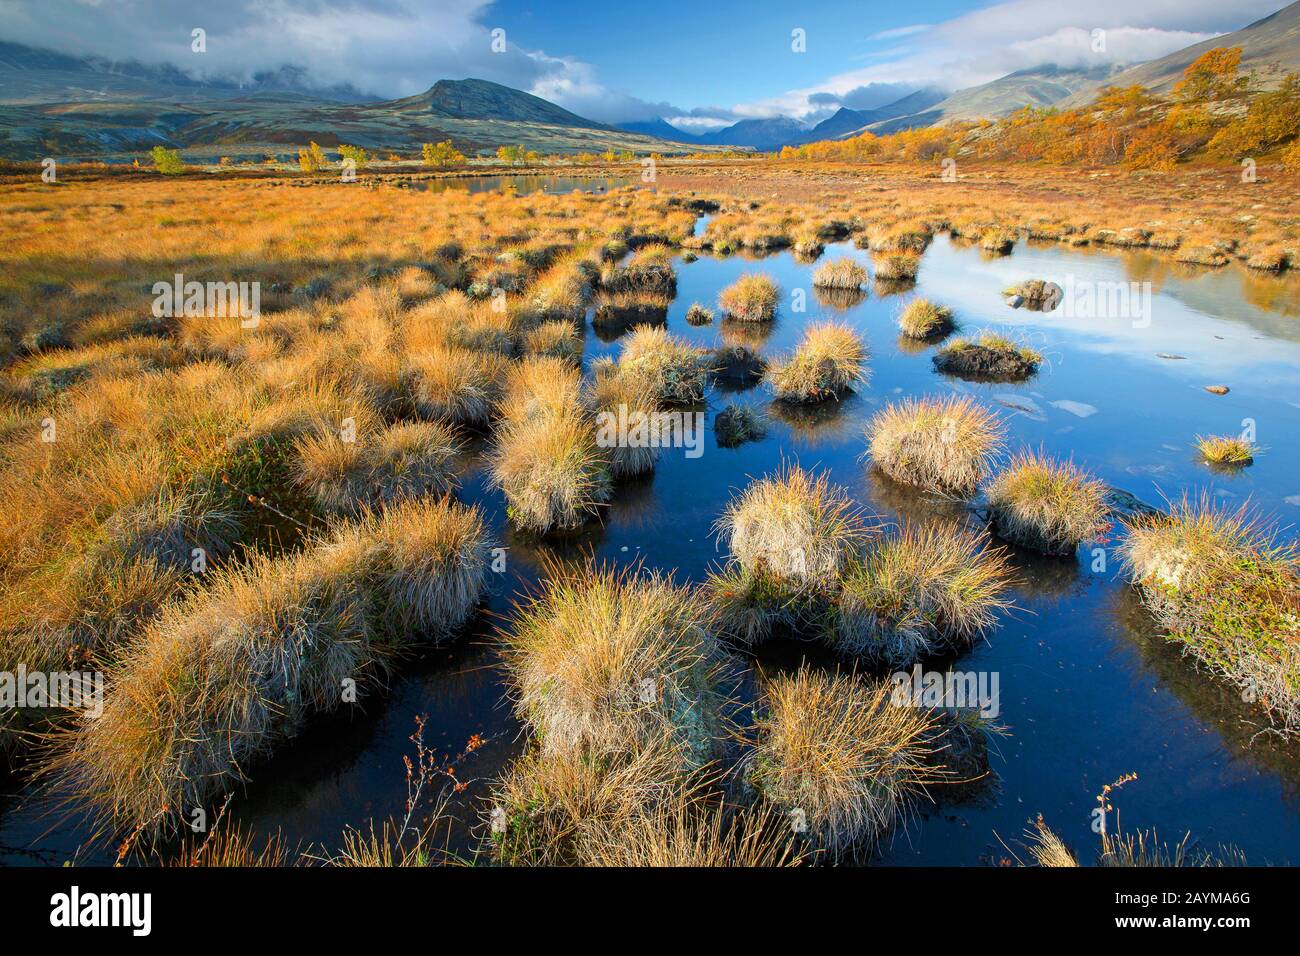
{"type": "Point", "coordinates": [349, 475]}
{"type": "Point", "coordinates": [220, 678]}
{"type": "Point", "coordinates": [1219, 585]}
{"type": "Point", "coordinates": [828, 361]}
{"type": "Point", "coordinates": [923, 320]}
{"type": "Point", "coordinates": [898, 266]}
{"type": "Point", "coordinates": [610, 660]}
{"type": "Point", "coordinates": [843, 273]}
{"type": "Point", "coordinates": [677, 370]}
{"type": "Point", "coordinates": [944, 445]}
{"type": "Point", "coordinates": [998, 241]}
{"type": "Point", "coordinates": [632, 400]}
{"type": "Point", "coordinates": [557, 338]}
{"type": "Point", "coordinates": [897, 237]}
{"type": "Point", "coordinates": [699, 314]}
{"type": "Point", "coordinates": [692, 830]}
{"type": "Point", "coordinates": [1046, 505]}
{"type": "Point", "coordinates": [751, 298]}
{"type": "Point", "coordinates": [1228, 451]}
{"type": "Point", "coordinates": [649, 270]}
{"type": "Point", "coordinates": [838, 757]}
{"type": "Point", "coordinates": [455, 386]}
{"type": "Point", "coordinates": [555, 808]}
{"type": "Point", "coordinates": [795, 526]}
{"type": "Point", "coordinates": [1046, 848]}
{"type": "Point", "coordinates": [546, 458]}
{"type": "Point", "coordinates": [924, 590]}
{"type": "Point", "coordinates": [748, 606]}
{"type": "Point", "coordinates": [552, 471]}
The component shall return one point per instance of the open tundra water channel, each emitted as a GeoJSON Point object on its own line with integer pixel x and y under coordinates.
{"type": "Point", "coordinates": [1087, 690]}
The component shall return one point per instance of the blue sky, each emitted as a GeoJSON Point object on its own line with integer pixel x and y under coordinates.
{"type": "Point", "coordinates": [700, 65]}
{"type": "Point", "coordinates": [722, 51]}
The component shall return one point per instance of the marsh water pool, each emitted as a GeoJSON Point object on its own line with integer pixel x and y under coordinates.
{"type": "Point", "coordinates": [1088, 691]}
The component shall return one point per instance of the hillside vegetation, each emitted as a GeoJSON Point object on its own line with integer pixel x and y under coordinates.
{"type": "Point", "coordinates": [1214, 112]}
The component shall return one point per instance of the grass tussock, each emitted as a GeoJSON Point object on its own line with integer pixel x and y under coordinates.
{"type": "Point", "coordinates": [842, 273]}
{"type": "Point", "coordinates": [988, 357]}
{"type": "Point", "coordinates": [557, 338]}
{"type": "Point", "coordinates": [633, 398]}
{"type": "Point", "coordinates": [898, 266]}
{"type": "Point", "coordinates": [737, 424]}
{"type": "Point", "coordinates": [694, 831]}
{"type": "Point", "coordinates": [610, 659]}
{"type": "Point", "coordinates": [677, 371]}
{"type": "Point", "coordinates": [699, 314]}
{"type": "Point", "coordinates": [553, 474]}
{"type": "Point", "coordinates": [546, 459]}
{"type": "Point", "coordinates": [751, 298]}
{"type": "Point", "coordinates": [1220, 586]}
{"type": "Point", "coordinates": [924, 590]}
{"type": "Point", "coordinates": [837, 757]}
{"type": "Point", "coordinates": [944, 445]}
{"type": "Point", "coordinates": [925, 320]}
{"type": "Point", "coordinates": [221, 678]}
{"type": "Point", "coordinates": [828, 361]}
{"type": "Point", "coordinates": [795, 526]}
{"type": "Point", "coordinates": [350, 474]}
{"type": "Point", "coordinates": [456, 386]}
{"type": "Point", "coordinates": [1230, 451]}
{"type": "Point", "coordinates": [748, 606]}
{"type": "Point", "coordinates": [1046, 505]}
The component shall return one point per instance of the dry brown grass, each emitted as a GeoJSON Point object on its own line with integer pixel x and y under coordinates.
{"type": "Point", "coordinates": [1220, 585]}
{"type": "Point", "coordinates": [798, 527]}
{"type": "Point", "coordinates": [829, 360]}
{"type": "Point", "coordinates": [944, 445]}
{"type": "Point", "coordinates": [923, 319]}
{"type": "Point", "coordinates": [921, 591]}
{"type": "Point", "coordinates": [751, 298]}
{"type": "Point", "coordinates": [677, 370]}
{"type": "Point", "coordinates": [844, 273]}
{"type": "Point", "coordinates": [838, 757]}
{"type": "Point", "coordinates": [1047, 505]}
{"type": "Point", "coordinates": [608, 660]}
{"type": "Point", "coordinates": [219, 679]}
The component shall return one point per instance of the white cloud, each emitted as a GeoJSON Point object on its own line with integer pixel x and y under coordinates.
{"type": "Point", "coordinates": [898, 32]}
{"type": "Point", "coordinates": [1020, 34]}
{"type": "Point", "coordinates": [398, 47]}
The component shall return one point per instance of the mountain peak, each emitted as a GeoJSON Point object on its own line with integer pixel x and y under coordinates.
{"type": "Point", "coordinates": [477, 99]}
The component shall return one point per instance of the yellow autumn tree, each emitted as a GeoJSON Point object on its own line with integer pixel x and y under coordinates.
{"type": "Point", "coordinates": [1212, 75]}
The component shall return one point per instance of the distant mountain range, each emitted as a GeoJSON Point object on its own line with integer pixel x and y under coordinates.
{"type": "Point", "coordinates": [759, 134]}
{"type": "Point", "coordinates": [1270, 47]}
{"type": "Point", "coordinates": [56, 105]}
{"type": "Point", "coordinates": [52, 104]}
{"type": "Point", "coordinates": [1042, 86]}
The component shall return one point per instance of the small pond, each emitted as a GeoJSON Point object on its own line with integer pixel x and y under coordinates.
{"type": "Point", "coordinates": [1088, 691]}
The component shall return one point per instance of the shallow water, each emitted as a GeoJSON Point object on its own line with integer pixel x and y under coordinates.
{"type": "Point", "coordinates": [523, 185]}
{"type": "Point", "coordinates": [1088, 692]}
